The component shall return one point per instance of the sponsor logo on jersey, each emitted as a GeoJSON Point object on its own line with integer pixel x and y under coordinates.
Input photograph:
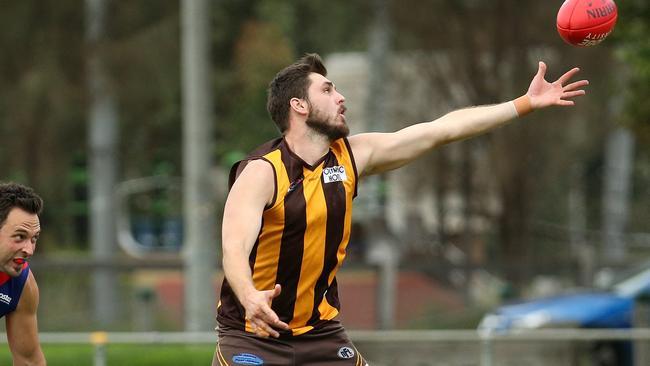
{"type": "Point", "coordinates": [247, 359]}
{"type": "Point", "coordinates": [295, 184]}
{"type": "Point", "coordinates": [345, 352]}
{"type": "Point", "coordinates": [334, 174]}
{"type": "Point", "coordinates": [5, 298]}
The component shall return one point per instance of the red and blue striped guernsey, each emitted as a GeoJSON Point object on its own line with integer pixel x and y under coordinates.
{"type": "Point", "coordinates": [10, 290]}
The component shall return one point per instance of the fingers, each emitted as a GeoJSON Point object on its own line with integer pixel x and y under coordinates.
{"type": "Point", "coordinates": [272, 318]}
{"type": "Point", "coordinates": [573, 90]}
{"type": "Point", "coordinates": [568, 75]}
{"type": "Point", "coordinates": [263, 329]}
{"type": "Point", "coordinates": [262, 318]}
{"type": "Point", "coordinates": [572, 94]}
{"type": "Point", "coordinates": [544, 93]}
{"type": "Point", "coordinates": [541, 69]}
{"type": "Point", "coordinates": [576, 85]}
{"type": "Point", "coordinates": [263, 325]}
{"type": "Point", "coordinates": [276, 291]}
{"type": "Point", "coordinates": [280, 324]}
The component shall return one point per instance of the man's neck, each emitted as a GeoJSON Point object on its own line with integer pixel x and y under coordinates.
{"type": "Point", "coordinates": [310, 147]}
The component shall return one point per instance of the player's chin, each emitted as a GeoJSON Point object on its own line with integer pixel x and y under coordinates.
{"type": "Point", "coordinates": [18, 270]}
{"type": "Point", "coordinates": [12, 270]}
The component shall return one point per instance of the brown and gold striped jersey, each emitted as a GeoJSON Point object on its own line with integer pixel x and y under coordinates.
{"type": "Point", "coordinates": [303, 236]}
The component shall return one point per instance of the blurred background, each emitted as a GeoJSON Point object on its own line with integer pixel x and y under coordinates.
{"type": "Point", "coordinates": [127, 115]}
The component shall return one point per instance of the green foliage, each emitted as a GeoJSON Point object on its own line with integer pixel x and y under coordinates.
{"type": "Point", "coordinates": [41, 108]}
{"type": "Point", "coordinates": [632, 35]}
{"type": "Point", "coordinates": [143, 54]}
{"type": "Point", "coordinates": [326, 26]}
{"type": "Point", "coordinates": [261, 50]}
{"type": "Point", "coordinates": [255, 40]}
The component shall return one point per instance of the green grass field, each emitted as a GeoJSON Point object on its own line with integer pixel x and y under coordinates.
{"type": "Point", "coordinates": [123, 355]}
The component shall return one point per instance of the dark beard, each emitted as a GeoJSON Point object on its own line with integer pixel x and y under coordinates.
{"type": "Point", "coordinates": [319, 124]}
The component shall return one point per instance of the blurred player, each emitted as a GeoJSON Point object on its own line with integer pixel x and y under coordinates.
{"type": "Point", "coordinates": [288, 214]}
{"type": "Point", "coordinates": [19, 231]}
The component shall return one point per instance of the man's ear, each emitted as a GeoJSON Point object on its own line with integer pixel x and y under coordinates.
{"type": "Point", "coordinates": [299, 105]}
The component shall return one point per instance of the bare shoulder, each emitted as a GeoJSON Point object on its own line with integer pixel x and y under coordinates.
{"type": "Point", "coordinates": [363, 145]}
{"type": "Point", "coordinates": [255, 182]}
{"type": "Point", "coordinates": [29, 298]}
{"type": "Point", "coordinates": [257, 170]}
{"type": "Point", "coordinates": [359, 140]}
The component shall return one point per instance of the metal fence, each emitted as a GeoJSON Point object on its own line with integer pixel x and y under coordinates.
{"type": "Point", "coordinates": [575, 347]}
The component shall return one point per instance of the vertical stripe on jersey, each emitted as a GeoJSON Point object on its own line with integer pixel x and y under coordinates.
{"type": "Point", "coordinates": [332, 298]}
{"type": "Point", "coordinates": [265, 254]}
{"type": "Point", "coordinates": [334, 194]}
{"type": "Point", "coordinates": [314, 252]}
{"type": "Point", "coordinates": [292, 242]}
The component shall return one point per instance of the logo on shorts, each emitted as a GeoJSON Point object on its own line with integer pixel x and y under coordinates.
{"type": "Point", "coordinates": [334, 174]}
{"type": "Point", "coordinates": [346, 352]}
{"type": "Point", "coordinates": [5, 298]}
{"type": "Point", "coordinates": [247, 359]}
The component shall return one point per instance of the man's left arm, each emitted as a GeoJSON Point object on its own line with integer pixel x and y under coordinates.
{"type": "Point", "coordinates": [380, 152]}
{"type": "Point", "coordinates": [22, 328]}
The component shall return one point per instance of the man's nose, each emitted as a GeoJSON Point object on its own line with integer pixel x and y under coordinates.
{"type": "Point", "coordinates": [341, 98]}
{"type": "Point", "coordinates": [28, 248]}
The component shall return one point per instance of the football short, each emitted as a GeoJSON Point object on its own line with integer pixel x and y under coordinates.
{"type": "Point", "coordinates": [329, 346]}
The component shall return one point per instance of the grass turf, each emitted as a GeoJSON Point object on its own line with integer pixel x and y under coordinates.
{"type": "Point", "coordinates": [123, 355]}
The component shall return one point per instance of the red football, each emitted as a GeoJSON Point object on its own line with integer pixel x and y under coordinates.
{"type": "Point", "coordinates": [586, 22]}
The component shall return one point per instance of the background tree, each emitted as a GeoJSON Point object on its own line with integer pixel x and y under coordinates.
{"type": "Point", "coordinates": [487, 53]}
{"type": "Point", "coordinates": [41, 115]}
{"type": "Point", "coordinates": [513, 184]}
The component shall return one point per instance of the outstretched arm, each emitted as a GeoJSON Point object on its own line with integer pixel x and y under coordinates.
{"type": "Point", "coordinates": [22, 329]}
{"type": "Point", "coordinates": [379, 152]}
{"type": "Point", "coordinates": [242, 218]}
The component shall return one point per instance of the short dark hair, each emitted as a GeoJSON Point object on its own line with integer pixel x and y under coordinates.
{"type": "Point", "coordinates": [16, 195]}
{"type": "Point", "coordinates": [291, 82]}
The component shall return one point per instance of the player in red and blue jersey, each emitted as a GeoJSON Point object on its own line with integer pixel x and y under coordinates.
{"type": "Point", "coordinates": [19, 231]}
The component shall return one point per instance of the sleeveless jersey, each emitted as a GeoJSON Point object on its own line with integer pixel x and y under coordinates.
{"type": "Point", "coordinates": [302, 239]}
{"type": "Point", "coordinates": [10, 290]}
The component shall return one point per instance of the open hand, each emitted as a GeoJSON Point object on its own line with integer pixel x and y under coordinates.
{"type": "Point", "coordinates": [260, 315]}
{"type": "Point", "coordinates": [543, 94]}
